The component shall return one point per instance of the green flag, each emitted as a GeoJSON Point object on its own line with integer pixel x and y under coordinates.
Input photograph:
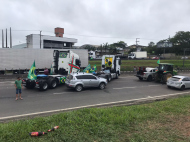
{"type": "Point", "coordinates": [93, 69]}
{"type": "Point", "coordinates": [158, 62]}
{"type": "Point", "coordinates": [87, 68]}
{"type": "Point", "coordinates": [32, 72]}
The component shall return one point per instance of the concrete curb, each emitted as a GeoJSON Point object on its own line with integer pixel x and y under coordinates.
{"type": "Point", "coordinates": [110, 104]}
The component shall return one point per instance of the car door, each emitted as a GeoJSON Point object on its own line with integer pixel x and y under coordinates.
{"type": "Point", "coordinates": [94, 82]}
{"type": "Point", "coordinates": [84, 79]}
{"type": "Point", "coordinates": [186, 81]}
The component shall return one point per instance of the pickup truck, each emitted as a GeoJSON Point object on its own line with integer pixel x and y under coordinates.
{"type": "Point", "coordinates": [146, 73]}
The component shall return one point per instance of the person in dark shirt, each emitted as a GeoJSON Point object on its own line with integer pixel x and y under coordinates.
{"type": "Point", "coordinates": [18, 85]}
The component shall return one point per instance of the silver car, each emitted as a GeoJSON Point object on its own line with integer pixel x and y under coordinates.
{"type": "Point", "coordinates": [180, 82]}
{"type": "Point", "coordinates": [84, 80]}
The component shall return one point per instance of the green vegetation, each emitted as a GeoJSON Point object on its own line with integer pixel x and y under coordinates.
{"type": "Point", "coordinates": [163, 121]}
{"type": "Point", "coordinates": [128, 65]}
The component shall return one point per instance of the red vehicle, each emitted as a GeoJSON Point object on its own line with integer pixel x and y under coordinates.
{"type": "Point", "coordinates": [155, 58]}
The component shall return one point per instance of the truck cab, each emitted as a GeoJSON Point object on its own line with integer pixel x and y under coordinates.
{"type": "Point", "coordinates": [112, 63]}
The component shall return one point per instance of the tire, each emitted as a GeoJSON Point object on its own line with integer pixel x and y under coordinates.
{"type": "Point", "coordinates": [30, 84]}
{"type": "Point", "coordinates": [102, 86]}
{"type": "Point", "coordinates": [52, 83]}
{"type": "Point", "coordinates": [78, 88]}
{"type": "Point", "coordinates": [116, 75]}
{"type": "Point", "coordinates": [149, 78]}
{"type": "Point", "coordinates": [182, 87]}
{"type": "Point", "coordinates": [108, 78]}
{"type": "Point", "coordinates": [140, 78]}
{"type": "Point", "coordinates": [166, 77]}
{"type": "Point", "coordinates": [169, 87]}
{"type": "Point", "coordinates": [43, 85]}
{"type": "Point", "coordinates": [156, 77]}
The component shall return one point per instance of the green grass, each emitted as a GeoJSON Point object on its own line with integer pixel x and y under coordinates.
{"type": "Point", "coordinates": [127, 65]}
{"type": "Point", "coordinates": [163, 121]}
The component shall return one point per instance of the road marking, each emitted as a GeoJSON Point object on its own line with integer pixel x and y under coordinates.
{"type": "Point", "coordinates": [62, 93]}
{"type": "Point", "coordinates": [94, 105]}
{"type": "Point", "coordinates": [8, 82]}
{"type": "Point", "coordinates": [125, 87]}
{"type": "Point", "coordinates": [154, 85]}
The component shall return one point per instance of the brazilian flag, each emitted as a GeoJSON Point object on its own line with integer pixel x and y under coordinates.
{"type": "Point", "coordinates": [93, 69]}
{"type": "Point", "coordinates": [87, 68]}
{"type": "Point", "coordinates": [32, 72]}
{"type": "Point", "coordinates": [62, 80]}
{"type": "Point", "coordinates": [158, 62]}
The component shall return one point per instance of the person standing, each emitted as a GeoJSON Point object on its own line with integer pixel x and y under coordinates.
{"type": "Point", "coordinates": [18, 85]}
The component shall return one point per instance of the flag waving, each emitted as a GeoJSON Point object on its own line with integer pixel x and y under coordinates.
{"type": "Point", "coordinates": [32, 72]}
{"type": "Point", "coordinates": [93, 69]}
{"type": "Point", "coordinates": [158, 62]}
{"type": "Point", "coordinates": [87, 68]}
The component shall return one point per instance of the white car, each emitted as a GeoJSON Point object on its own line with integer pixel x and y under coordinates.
{"type": "Point", "coordinates": [179, 82]}
{"type": "Point", "coordinates": [146, 74]}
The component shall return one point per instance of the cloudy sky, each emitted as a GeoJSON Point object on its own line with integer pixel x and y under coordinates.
{"type": "Point", "coordinates": [96, 21]}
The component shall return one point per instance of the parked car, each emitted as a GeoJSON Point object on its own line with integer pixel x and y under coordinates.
{"type": "Point", "coordinates": [81, 80]}
{"type": "Point", "coordinates": [146, 73]}
{"type": "Point", "coordinates": [155, 58]}
{"type": "Point", "coordinates": [184, 57]}
{"type": "Point", "coordinates": [179, 82]}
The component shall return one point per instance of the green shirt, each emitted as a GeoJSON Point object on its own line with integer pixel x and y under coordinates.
{"type": "Point", "coordinates": [18, 84]}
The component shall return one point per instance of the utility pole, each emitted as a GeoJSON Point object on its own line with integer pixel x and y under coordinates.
{"type": "Point", "coordinates": [2, 39]}
{"type": "Point", "coordinates": [40, 39]}
{"type": "Point", "coordinates": [6, 38]}
{"type": "Point", "coordinates": [137, 42]}
{"type": "Point", "coordinates": [10, 38]}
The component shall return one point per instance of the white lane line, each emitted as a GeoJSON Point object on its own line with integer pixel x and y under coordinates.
{"type": "Point", "coordinates": [125, 87]}
{"type": "Point", "coordinates": [62, 93]}
{"type": "Point", "coordinates": [94, 105]}
{"type": "Point", "coordinates": [154, 85]}
{"type": "Point", "coordinates": [8, 82]}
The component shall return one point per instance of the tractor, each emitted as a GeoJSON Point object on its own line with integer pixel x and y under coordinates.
{"type": "Point", "coordinates": [164, 72]}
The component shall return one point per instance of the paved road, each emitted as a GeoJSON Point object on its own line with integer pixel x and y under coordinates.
{"type": "Point", "coordinates": [124, 88]}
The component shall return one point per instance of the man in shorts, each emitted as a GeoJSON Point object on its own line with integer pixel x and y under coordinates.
{"type": "Point", "coordinates": [18, 85]}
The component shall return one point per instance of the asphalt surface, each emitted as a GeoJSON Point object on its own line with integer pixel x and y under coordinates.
{"type": "Point", "coordinates": [35, 101]}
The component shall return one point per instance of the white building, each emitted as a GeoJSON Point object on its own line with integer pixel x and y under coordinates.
{"type": "Point", "coordinates": [38, 41]}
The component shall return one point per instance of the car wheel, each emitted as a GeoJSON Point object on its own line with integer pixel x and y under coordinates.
{"type": "Point", "coordinates": [149, 78]}
{"type": "Point", "coordinates": [102, 86]}
{"type": "Point", "coordinates": [140, 78]}
{"type": "Point", "coordinates": [182, 87]}
{"type": "Point", "coordinates": [78, 88]}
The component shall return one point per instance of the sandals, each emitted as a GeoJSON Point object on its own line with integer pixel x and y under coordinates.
{"type": "Point", "coordinates": [16, 99]}
{"type": "Point", "coordinates": [21, 98]}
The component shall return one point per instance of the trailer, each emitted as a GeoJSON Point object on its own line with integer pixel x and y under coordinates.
{"type": "Point", "coordinates": [20, 60]}
{"type": "Point", "coordinates": [64, 62]}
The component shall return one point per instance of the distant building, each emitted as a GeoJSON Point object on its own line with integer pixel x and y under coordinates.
{"type": "Point", "coordinates": [50, 42]}
{"type": "Point", "coordinates": [19, 46]}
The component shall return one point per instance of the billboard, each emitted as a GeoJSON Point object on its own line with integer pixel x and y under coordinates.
{"type": "Point", "coordinates": [164, 44]}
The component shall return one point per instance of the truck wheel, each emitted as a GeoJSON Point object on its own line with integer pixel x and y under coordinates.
{"type": "Point", "coordinates": [116, 75]}
{"type": "Point", "coordinates": [109, 78]}
{"type": "Point", "coordinates": [30, 84]}
{"type": "Point", "coordinates": [43, 85]}
{"type": "Point", "coordinates": [52, 83]}
{"type": "Point", "coordinates": [140, 78]}
{"type": "Point", "coordinates": [78, 88]}
{"type": "Point", "coordinates": [149, 78]}
{"type": "Point", "coordinates": [166, 77]}
{"type": "Point", "coordinates": [102, 86]}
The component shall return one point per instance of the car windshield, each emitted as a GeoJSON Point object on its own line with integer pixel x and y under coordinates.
{"type": "Point", "coordinates": [106, 71]}
{"type": "Point", "coordinates": [69, 77]}
{"type": "Point", "coordinates": [175, 78]}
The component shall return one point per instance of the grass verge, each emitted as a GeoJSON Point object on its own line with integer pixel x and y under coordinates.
{"type": "Point", "coordinates": [162, 121]}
